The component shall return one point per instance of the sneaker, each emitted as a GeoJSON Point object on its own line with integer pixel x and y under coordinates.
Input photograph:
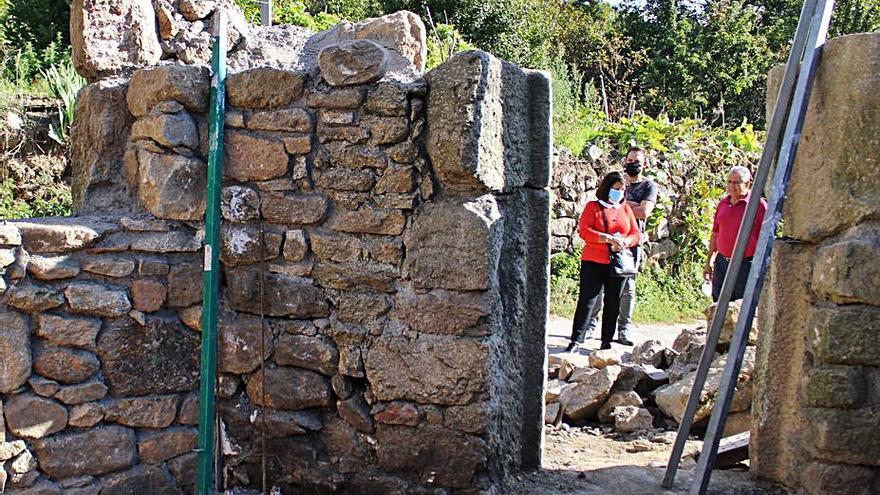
{"type": "Point", "coordinates": [625, 341]}
{"type": "Point", "coordinates": [605, 345]}
{"type": "Point", "coordinates": [573, 347]}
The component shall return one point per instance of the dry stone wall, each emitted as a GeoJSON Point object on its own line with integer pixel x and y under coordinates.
{"type": "Point", "coordinates": [383, 301]}
{"type": "Point", "coordinates": [817, 390]}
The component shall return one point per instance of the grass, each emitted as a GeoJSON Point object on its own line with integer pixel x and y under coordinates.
{"type": "Point", "coordinates": [661, 296]}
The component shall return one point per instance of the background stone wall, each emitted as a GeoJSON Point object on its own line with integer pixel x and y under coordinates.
{"type": "Point", "coordinates": [815, 413]}
{"type": "Point", "coordinates": [393, 231]}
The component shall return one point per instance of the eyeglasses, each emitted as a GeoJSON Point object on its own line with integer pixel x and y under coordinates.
{"type": "Point", "coordinates": [735, 182]}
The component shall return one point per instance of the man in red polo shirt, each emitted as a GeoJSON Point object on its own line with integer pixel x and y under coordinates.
{"type": "Point", "coordinates": [725, 228]}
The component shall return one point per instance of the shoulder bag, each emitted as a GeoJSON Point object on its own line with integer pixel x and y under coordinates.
{"type": "Point", "coordinates": [623, 264]}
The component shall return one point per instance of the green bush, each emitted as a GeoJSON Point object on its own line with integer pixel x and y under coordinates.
{"type": "Point", "coordinates": [294, 12]}
{"type": "Point", "coordinates": [54, 199]}
{"type": "Point", "coordinates": [443, 42]}
{"type": "Point", "coordinates": [63, 82]}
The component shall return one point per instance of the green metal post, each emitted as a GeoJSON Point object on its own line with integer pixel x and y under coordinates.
{"type": "Point", "coordinates": [211, 287]}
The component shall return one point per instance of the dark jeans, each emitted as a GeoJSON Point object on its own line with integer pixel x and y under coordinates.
{"type": "Point", "coordinates": [595, 277]}
{"type": "Point", "coordinates": [721, 264]}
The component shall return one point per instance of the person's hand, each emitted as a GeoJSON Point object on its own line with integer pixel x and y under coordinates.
{"type": "Point", "coordinates": [615, 247]}
{"type": "Point", "coordinates": [707, 273]}
{"type": "Point", "coordinates": [620, 244]}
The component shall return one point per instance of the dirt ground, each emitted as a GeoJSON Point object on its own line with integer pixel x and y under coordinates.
{"type": "Point", "coordinates": [591, 460]}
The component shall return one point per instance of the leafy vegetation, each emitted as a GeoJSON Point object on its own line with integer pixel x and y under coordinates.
{"type": "Point", "coordinates": [63, 82]}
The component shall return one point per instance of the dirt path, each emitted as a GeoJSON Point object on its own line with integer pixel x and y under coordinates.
{"type": "Point", "coordinates": [591, 460]}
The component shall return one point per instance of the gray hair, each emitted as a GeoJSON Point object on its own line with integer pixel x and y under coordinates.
{"type": "Point", "coordinates": [743, 173]}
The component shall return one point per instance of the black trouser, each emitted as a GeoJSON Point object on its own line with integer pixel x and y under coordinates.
{"type": "Point", "coordinates": [721, 264]}
{"type": "Point", "coordinates": [595, 276]}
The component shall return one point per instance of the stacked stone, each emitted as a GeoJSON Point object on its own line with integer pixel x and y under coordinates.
{"type": "Point", "coordinates": [96, 367]}
{"type": "Point", "coordinates": [648, 389]}
{"type": "Point", "coordinates": [356, 332]}
{"type": "Point", "coordinates": [140, 33]}
{"type": "Point", "coordinates": [816, 423]}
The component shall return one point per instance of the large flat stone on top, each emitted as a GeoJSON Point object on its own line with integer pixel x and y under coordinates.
{"type": "Point", "coordinates": [351, 63]}
{"type": "Point", "coordinates": [107, 37]}
{"type": "Point", "coordinates": [431, 370]}
{"type": "Point", "coordinates": [58, 235]}
{"type": "Point", "coordinates": [15, 348]}
{"type": "Point", "coordinates": [490, 124]}
{"type": "Point", "coordinates": [264, 87]}
{"type": "Point", "coordinates": [93, 452]}
{"type": "Point", "coordinates": [186, 85]}
{"type": "Point", "coordinates": [161, 357]}
{"type": "Point", "coordinates": [451, 243]}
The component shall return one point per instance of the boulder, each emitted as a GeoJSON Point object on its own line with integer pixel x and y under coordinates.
{"type": "Point", "coordinates": [82, 393]}
{"type": "Point", "coordinates": [436, 454]}
{"type": "Point", "coordinates": [184, 285]}
{"type": "Point", "coordinates": [194, 10]}
{"type": "Point", "coordinates": [296, 245]}
{"type": "Point", "coordinates": [289, 389]}
{"type": "Point", "coordinates": [442, 312]}
{"type": "Point", "coordinates": [617, 399]}
{"type": "Point", "coordinates": [29, 297]}
{"type": "Point", "coordinates": [160, 357]}
{"type": "Point", "coordinates": [473, 119]}
{"type": "Point", "coordinates": [240, 244]}
{"type": "Point", "coordinates": [107, 38]}
{"type": "Point", "coordinates": [343, 179]}
{"type": "Point", "coordinates": [584, 399]}
{"type": "Point", "coordinates": [402, 31]}
{"type": "Point", "coordinates": [264, 87]}
{"type": "Point", "coordinates": [172, 186]}
{"type": "Point", "coordinates": [15, 347]}
{"type": "Point", "coordinates": [283, 295]}
{"type": "Point", "coordinates": [282, 120]}
{"type": "Point", "coordinates": [142, 479]}
{"type": "Point", "coordinates": [314, 353]}
{"type": "Point", "coordinates": [116, 267]}
{"type": "Point", "coordinates": [729, 325]}
{"type": "Point", "coordinates": [551, 413]}
{"type": "Point", "coordinates": [297, 208]}
{"type": "Point", "coordinates": [650, 352]}
{"type": "Point", "coordinates": [369, 221]}
{"type": "Point", "coordinates": [398, 413]}
{"type": "Point", "coordinates": [64, 364]}
{"type": "Point", "coordinates": [605, 357]}
{"type": "Point", "coordinates": [32, 417]}
{"type": "Point", "coordinates": [429, 370]}
{"type": "Point", "coordinates": [97, 299]}
{"type": "Point", "coordinates": [355, 276]}
{"type": "Point", "coordinates": [672, 399]}
{"type": "Point", "coordinates": [93, 452]}
{"type": "Point", "coordinates": [142, 412]}
{"type": "Point", "coordinates": [157, 446]}
{"type": "Point", "coordinates": [632, 418]}
{"type": "Point", "coordinates": [240, 204]}
{"type": "Point", "coordinates": [9, 235]}
{"type": "Point", "coordinates": [168, 129]}
{"type": "Point", "coordinates": [356, 412]}
{"type": "Point", "coordinates": [554, 389]}
{"type": "Point", "coordinates": [86, 415]}
{"type": "Point", "coordinates": [53, 267]}
{"type": "Point", "coordinates": [61, 235]}
{"type": "Point", "coordinates": [238, 348]}
{"type": "Point", "coordinates": [148, 295]}
{"type": "Point", "coordinates": [177, 241]}
{"type": "Point", "coordinates": [352, 63]}
{"type": "Point", "coordinates": [43, 386]}
{"type": "Point", "coordinates": [450, 243]}
{"type": "Point", "coordinates": [336, 247]}
{"type": "Point", "coordinates": [184, 84]}
{"type": "Point", "coordinates": [689, 338]}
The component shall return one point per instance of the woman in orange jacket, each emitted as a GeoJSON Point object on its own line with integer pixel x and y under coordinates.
{"type": "Point", "coordinates": [606, 225]}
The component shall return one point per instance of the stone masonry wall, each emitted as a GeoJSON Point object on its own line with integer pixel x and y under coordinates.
{"type": "Point", "coordinates": [393, 232]}
{"type": "Point", "coordinates": [815, 419]}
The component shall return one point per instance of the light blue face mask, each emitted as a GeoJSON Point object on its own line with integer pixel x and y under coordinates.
{"type": "Point", "coordinates": [615, 195]}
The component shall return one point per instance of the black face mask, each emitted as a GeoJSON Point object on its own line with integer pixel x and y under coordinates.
{"type": "Point", "coordinates": [633, 169]}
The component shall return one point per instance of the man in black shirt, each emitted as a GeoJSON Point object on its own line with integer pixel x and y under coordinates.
{"type": "Point", "coordinates": [641, 194]}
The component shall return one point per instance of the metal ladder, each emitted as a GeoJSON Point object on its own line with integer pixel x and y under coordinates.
{"type": "Point", "coordinates": [783, 137]}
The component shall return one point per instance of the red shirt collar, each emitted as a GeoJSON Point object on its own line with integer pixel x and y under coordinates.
{"type": "Point", "coordinates": [744, 198]}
